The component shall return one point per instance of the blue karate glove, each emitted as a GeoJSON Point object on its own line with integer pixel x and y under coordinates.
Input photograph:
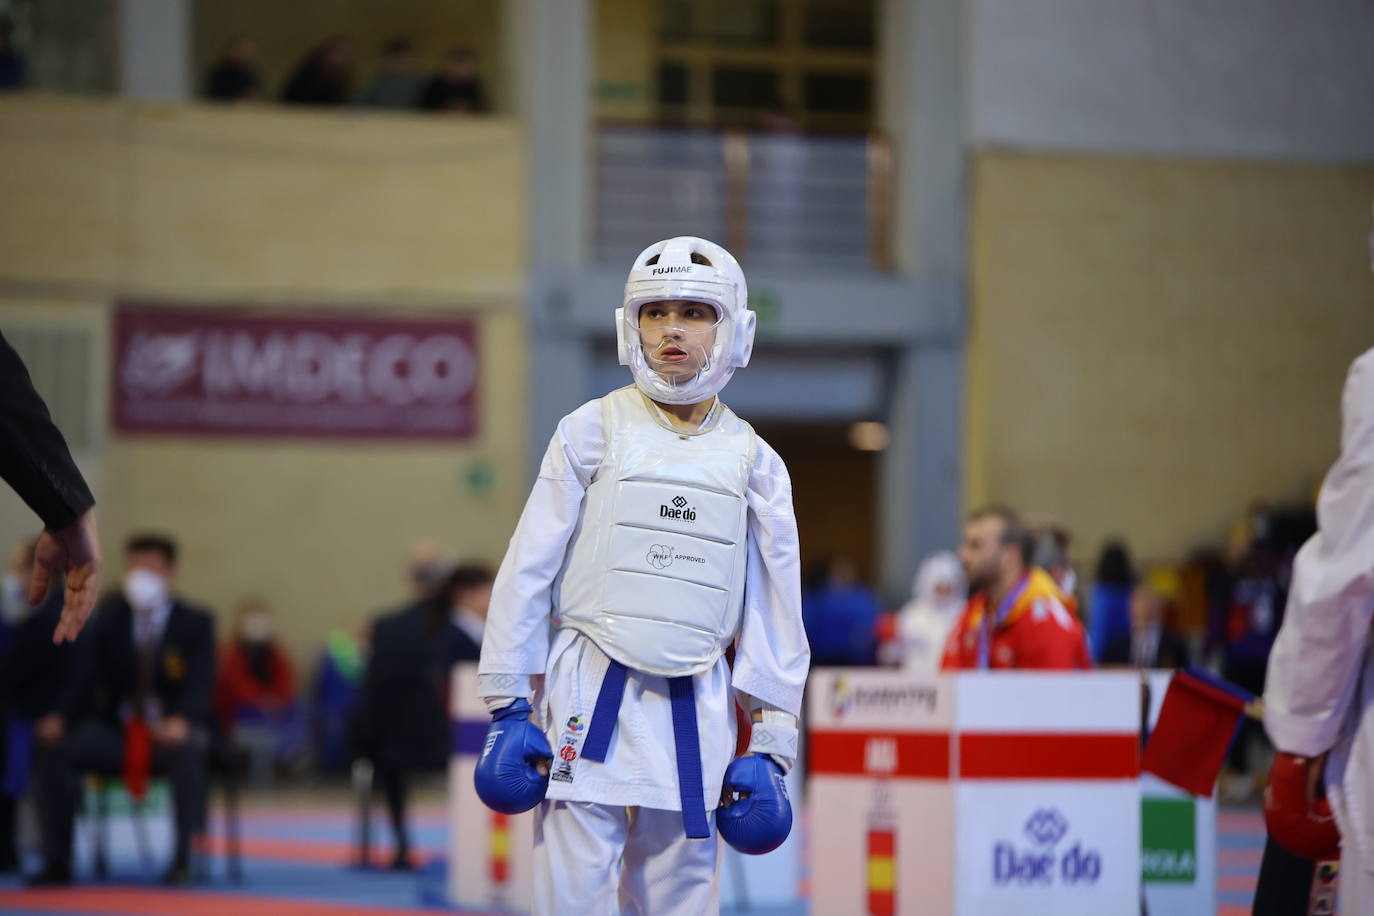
{"type": "Point", "coordinates": [507, 778]}
{"type": "Point", "coordinates": [755, 815]}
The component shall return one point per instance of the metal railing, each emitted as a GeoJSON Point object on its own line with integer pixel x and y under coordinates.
{"type": "Point", "coordinates": [776, 200]}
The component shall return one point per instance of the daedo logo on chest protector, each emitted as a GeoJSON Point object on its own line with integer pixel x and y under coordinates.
{"type": "Point", "coordinates": [679, 510]}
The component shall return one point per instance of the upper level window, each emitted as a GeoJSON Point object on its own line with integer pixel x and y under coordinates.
{"type": "Point", "coordinates": [767, 64]}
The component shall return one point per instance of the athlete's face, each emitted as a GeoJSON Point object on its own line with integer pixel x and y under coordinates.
{"type": "Point", "coordinates": [677, 335]}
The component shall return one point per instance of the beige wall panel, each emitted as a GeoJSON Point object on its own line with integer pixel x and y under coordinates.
{"type": "Point", "coordinates": [1156, 344]}
{"type": "Point", "coordinates": [289, 204]}
{"type": "Point", "coordinates": [64, 183]}
{"type": "Point", "coordinates": [261, 204]}
{"type": "Point", "coordinates": [322, 529]}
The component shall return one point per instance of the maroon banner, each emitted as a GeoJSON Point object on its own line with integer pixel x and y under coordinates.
{"type": "Point", "coordinates": [238, 372]}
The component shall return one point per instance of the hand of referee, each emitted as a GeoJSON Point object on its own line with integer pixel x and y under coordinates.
{"type": "Point", "coordinates": [74, 551]}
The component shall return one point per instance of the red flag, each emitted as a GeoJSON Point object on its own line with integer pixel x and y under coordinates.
{"type": "Point", "coordinates": [138, 757]}
{"type": "Point", "coordinates": [1197, 723]}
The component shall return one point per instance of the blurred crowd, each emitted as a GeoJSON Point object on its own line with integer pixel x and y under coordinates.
{"type": "Point", "coordinates": [150, 691]}
{"type": "Point", "coordinates": [1010, 597]}
{"type": "Point", "coordinates": [327, 75]}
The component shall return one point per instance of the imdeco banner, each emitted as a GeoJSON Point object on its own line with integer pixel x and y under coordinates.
{"type": "Point", "coordinates": [199, 371]}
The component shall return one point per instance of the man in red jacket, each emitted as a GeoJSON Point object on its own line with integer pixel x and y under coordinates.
{"type": "Point", "coordinates": [1016, 615]}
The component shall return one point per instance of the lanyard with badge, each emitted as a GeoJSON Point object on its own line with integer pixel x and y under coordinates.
{"type": "Point", "coordinates": [992, 622]}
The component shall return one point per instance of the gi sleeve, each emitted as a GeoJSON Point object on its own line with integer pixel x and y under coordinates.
{"type": "Point", "coordinates": [771, 653]}
{"type": "Point", "coordinates": [33, 455]}
{"type": "Point", "coordinates": [516, 642]}
{"type": "Point", "coordinates": [1316, 660]}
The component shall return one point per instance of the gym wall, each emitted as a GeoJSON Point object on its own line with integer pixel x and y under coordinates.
{"type": "Point", "coordinates": [1157, 343]}
{"type": "Point", "coordinates": [258, 207]}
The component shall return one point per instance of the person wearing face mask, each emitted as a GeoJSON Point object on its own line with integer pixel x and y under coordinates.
{"type": "Point", "coordinates": [937, 599]}
{"type": "Point", "coordinates": [33, 671]}
{"type": "Point", "coordinates": [255, 693]}
{"type": "Point", "coordinates": [138, 703]}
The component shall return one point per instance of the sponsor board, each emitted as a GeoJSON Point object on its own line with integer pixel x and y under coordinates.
{"type": "Point", "coordinates": [228, 371]}
{"type": "Point", "coordinates": [1168, 840]}
{"type": "Point", "coordinates": [1063, 847]}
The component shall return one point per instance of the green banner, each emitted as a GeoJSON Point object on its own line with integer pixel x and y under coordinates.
{"type": "Point", "coordinates": [1168, 840]}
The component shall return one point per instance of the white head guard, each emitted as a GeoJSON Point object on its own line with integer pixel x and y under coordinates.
{"type": "Point", "coordinates": [687, 268]}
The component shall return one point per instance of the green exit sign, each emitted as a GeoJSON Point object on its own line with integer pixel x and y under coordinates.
{"type": "Point", "coordinates": [767, 305]}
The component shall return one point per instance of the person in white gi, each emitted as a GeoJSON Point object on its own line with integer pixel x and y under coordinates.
{"type": "Point", "coordinates": [659, 534]}
{"type": "Point", "coordinates": [938, 596]}
{"type": "Point", "coordinates": [1319, 694]}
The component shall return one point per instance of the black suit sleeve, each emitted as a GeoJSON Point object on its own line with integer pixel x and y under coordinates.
{"type": "Point", "coordinates": [34, 458]}
{"type": "Point", "coordinates": [74, 697]}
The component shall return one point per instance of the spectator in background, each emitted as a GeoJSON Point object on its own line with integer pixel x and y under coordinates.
{"type": "Point", "coordinates": [457, 87]}
{"type": "Point", "coordinates": [1150, 642]}
{"type": "Point", "coordinates": [1246, 625]}
{"type": "Point", "coordinates": [139, 701]}
{"type": "Point", "coordinates": [14, 66]}
{"type": "Point", "coordinates": [401, 724]}
{"type": "Point", "coordinates": [425, 571]}
{"type": "Point", "coordinates": [1050, 551]}
{"type": "Point", "coordinates": [255, 695]}
{"type": "Point", "coordinates": [397, 84]}
{"type": "Point", "coordinates": [323, 77]}
{"type": "Point", "coordinates": [464, 598]}
{"type": "Point", "coordinates": [1015, 616]}
{"type": "Point", "coordinates": [33, 673]}
{"type": "Point", "coordinates": [235, 77]}
{"type": "Point", "coordinates": [1109, 607]}
{"type": "Point", "coordinates": [338, 684]}
{"type": "Point", "coordinates": [841, 616]}
{"type": "Point", "coordinates": [937, 598]}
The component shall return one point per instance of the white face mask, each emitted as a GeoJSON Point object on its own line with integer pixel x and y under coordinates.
{"type": "Point", "coordinates": [257, 628]}
{"type": "Point", "coordinates": [14, 602]}
{"type": "Point", "coordinates": [145, 589]}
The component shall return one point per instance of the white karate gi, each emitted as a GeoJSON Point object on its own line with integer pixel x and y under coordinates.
{"type": "Point", "coordinates": [640, 771]}
{"type": "Point", "coordinates": [1319, 694]}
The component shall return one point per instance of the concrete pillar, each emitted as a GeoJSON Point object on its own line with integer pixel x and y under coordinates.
{"type": "Point", "coordinates": [921, 497]}
{"type": "Point", "coordinates": [155, 50]}
{"type": "Point", "coordinates": [921, 58]}
{"type": "Point", "coordinates": [551, 41]}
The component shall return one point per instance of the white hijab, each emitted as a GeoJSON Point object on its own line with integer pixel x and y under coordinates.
{"type": "Point", "coordinates": [925, 620]}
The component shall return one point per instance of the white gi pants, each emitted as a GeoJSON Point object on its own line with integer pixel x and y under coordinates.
{"type": "Point", "coordinates": [578, 865]}
{"type": "Point", "coordinates": [1350, 789]}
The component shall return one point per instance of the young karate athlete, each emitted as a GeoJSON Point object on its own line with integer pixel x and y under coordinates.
{"type": "Point", "coordinates": [659, 534]}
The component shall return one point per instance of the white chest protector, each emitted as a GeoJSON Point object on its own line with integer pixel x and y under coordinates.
{"type": "Point", "coordinates": [654, 574]}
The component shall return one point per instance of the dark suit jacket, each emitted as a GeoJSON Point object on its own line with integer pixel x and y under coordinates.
{"type": "Point", "coordinates": [34, 459]}
{"type": "Point", "coordinates": [401, 719]}
{"type": "Point", "coordinates": [34, 671]}
{"type": "Point", "coordinates": [459, 647]}
{"type": "Point", "coordinates": [106, 675]}
{"type": "Point", "coordinates": [1171, 653]}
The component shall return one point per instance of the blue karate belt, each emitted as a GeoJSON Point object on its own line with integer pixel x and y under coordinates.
{"type": "Point", "coordinates": [685, 739]}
